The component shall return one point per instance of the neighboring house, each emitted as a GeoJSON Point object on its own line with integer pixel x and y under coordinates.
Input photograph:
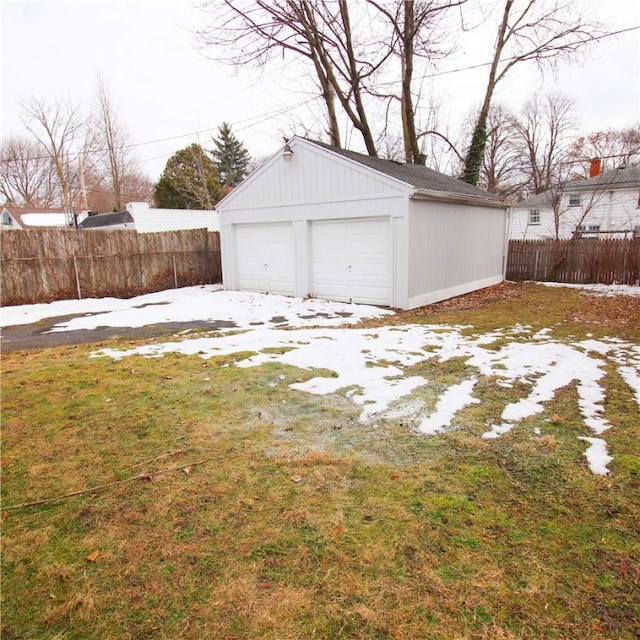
{"type": "Point", "coordinates": [142, 218]}
{"type": "Point", "coordinates": [314, 220]}
{"type": "Point", "coordinates": [606, 205]}
{"type": "Point", "coordinates": [33, 218]}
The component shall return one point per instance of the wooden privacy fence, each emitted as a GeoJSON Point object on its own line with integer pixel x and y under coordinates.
{"type": "Point", "coordinates": [56, 264]}
{"type": "Point", "coordinates": [578, 261]}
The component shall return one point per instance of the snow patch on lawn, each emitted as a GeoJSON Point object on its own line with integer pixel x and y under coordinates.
{"type": "Point", "coordinates": [454, 399]}
{"type": "Point", "coordinates": [207, 303]}
{"type": "Point", "coordinates": [369, 367]}
{"type": "Point", "coordinates": [606, 290]}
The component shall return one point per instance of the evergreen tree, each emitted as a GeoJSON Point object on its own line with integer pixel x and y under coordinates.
{"type": "Point", "coordinates": [189, 181]}
{"type": "Point", "coordinates": [230, 156]}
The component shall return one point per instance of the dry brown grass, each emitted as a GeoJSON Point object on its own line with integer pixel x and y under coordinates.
{"type": "Point", "coordinates": [291, 528]}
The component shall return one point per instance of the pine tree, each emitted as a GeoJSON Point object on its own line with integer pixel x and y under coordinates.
{"type": "Point", "coordinates": [230, 156]}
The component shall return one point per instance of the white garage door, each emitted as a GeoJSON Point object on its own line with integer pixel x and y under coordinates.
{"type": "Point", "coordinates": [265, 258]}
{"type": "Point", "coordinates": [351, 260]}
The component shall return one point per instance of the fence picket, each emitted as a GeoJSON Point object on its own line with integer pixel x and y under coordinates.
{"type": "Point", "coordinates": [578, 261]}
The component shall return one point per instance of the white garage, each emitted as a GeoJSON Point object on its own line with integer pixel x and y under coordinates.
{"type": "Point", "coordinates": [324, 222]}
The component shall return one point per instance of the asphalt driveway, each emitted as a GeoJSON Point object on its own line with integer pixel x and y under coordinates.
{"type": "Point", "coordinates": [39, 335]}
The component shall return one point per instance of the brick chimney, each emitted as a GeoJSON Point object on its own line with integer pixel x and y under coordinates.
{"type": "Point", "coordinates": [596, 167]}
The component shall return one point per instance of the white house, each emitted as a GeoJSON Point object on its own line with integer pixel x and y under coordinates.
{"type": "Point", "coordinates": [314, 220]}
{"type": "Point", "coordinates": [604, 205]}
{"type": "Point", "coordinates": [140, 217]}
{"type": "Point", "coordinates": [16, 218]}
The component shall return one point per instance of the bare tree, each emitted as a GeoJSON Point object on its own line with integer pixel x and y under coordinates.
{"type": "Point", "coordinates": [135, 187]}
{"type": "Point", "coordinates": [115, 144]}
{"type": "Point", "coordinates": [502, 166]}
{"type": "Point", "coordinates": [542, 133]}
{"type": "Point", "coordinates": [57, 126]}
{"type": "Point", "coordinates": [415, 33]}
{"type": "Point", "coordinates": [349, 55]}
{"type": "Point", "coordinates": [317, 31]}
{"type": "Point", "coordinates": [613, 148]}
{"type": "Point", "coordinates": [540, 31]}
{"type": "Point", "coordinates": [27, 175]}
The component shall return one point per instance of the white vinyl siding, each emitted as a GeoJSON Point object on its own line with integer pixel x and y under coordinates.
{"type": "Point", "coordinates": [614, 212]}
{"type": "Point", "coordinates": [310, 177]}
{"type": "Point", "coordinates": [454, 249]}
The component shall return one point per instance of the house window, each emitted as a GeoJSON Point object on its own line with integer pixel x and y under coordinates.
{"type": "Point", "coordinates": [574, 200]}
{"type": "Point", "coordinates": [6, 219]}
{"type": "Point", "coordinates": [588, 228]}
{"type": "Point", "coordinates": [534, 216]}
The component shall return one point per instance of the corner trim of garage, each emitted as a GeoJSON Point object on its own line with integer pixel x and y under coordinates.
{"type": "Point", "coordinates": [452, 292]}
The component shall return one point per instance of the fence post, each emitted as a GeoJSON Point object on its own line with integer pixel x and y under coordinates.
{"type": "Point", "coordinates": [535, 268]}
{"type": "Point", "coordinates": [175, 273]}
{"type": "Point", "coordinates": [75, 266]}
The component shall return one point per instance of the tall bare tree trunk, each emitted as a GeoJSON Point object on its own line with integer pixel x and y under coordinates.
{"type": "Point", "coordinates": [475, 154]}
{"type": "Point", "coordinates": [113, 139]}
{"type": "Point", "coordinates": [411, 147]}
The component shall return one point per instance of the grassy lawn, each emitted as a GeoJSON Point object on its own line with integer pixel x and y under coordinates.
{"type": "Point", "coordinates": [223, 504]}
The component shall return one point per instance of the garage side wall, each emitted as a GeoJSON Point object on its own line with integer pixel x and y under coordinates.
{"type": "Point", "coordinates": [453, 249]}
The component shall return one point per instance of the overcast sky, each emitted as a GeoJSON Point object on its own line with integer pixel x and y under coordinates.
{"type": "Point", "coordinates": [167, 94]}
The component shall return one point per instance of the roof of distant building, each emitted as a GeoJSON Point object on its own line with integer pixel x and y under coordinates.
{"type": "Point", "coordinates": [625, 177]}
{"type": "Point", "coordinates": [106, 220]}
{"type": "Point", "coordinates": [38, 217]}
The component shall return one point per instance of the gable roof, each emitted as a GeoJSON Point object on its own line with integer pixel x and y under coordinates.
{"type": "Point", "coordinates": [417, 176]}
{"type": "Point", "coordinates": [625, 177]}
{"type": "Point", "coordinates": [422, 183]}
{"type": "Point", "coordinates": [37, 217]}
{"type": "Point", "coordinates": [106, 220]}
{"type": "Point", "coordinates": [540, 200]}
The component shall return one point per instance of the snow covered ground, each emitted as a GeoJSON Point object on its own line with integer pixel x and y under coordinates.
{"type": "Point", "coordinates": [600, 289]}
{"type": "Point", "coordinates": [190, 304]}
{"type": "Point", "coordinates": [371, 364]}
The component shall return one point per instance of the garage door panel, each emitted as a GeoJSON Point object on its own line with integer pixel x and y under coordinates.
{"type": "Point", "coordinates": [265, 256]}
{"type": "Point", "coordinates": [351, 260]}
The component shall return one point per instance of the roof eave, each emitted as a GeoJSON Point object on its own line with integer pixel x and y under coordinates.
{"type": "Point", "coordinates": [456, 198]}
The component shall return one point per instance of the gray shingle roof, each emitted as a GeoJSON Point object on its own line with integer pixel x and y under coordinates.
{"type": "Point", "coordinates": [625, 177]}
{"type": "Point", "coordinates": [106, 220]}
{"type": "Point", "coordinates": [539, 200]}
{"type": "Point", "coordinates": [415, 175]}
